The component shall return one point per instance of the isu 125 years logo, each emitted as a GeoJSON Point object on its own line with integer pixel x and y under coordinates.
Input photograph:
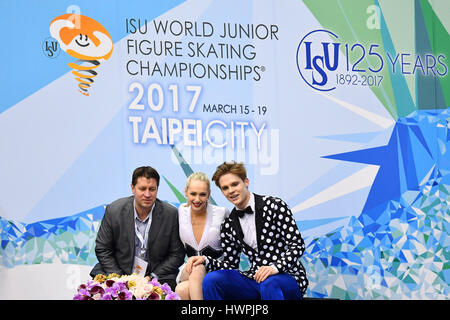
{"type": "Point", "coordinates": [325, 63]}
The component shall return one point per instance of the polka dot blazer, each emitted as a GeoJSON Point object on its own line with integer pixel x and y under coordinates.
{"type": "Point", "coordinates": [279, 241]}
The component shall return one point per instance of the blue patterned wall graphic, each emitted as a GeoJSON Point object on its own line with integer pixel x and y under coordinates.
{"type": "Point", "coordinates": [405, 221]}
{"type": "Point", "coordinates": [61, 240]}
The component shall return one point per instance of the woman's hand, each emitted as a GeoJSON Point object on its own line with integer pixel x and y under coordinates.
{"type": "Point", "coordinates": [194, 261]}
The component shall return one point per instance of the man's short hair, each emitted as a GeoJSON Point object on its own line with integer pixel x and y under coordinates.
{"type": "Point", "coordinates": [146, 172]}
{"type": "Point", "coordinates": [229, 167]}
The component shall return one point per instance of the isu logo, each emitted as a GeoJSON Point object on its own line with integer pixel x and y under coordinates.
{"type": "Point", "coordinates": [325, 63]}
{"type": "Point", "coordinates": [86, 40]}
{"type": "Point", "coordinates": [316, 58]}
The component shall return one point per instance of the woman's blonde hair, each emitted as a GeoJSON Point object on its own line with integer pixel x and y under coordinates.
{"type": "Point", "coordinates": [198, 176]}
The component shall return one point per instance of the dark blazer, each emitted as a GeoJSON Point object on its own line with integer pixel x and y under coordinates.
{"type": "Point", "coordinates": [278, 238]}
{"type": "Point", "coordinates": [115, 243]}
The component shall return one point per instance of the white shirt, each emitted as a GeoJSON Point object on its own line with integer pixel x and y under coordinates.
{"type": "Point", "coordinates": [211, 232]}
{"type": "Point", "coordinates": [141, 226]}
{"type": "Point", "coordinates": [248, 225]}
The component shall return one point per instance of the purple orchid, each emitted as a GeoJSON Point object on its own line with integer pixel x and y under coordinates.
{"type": "Point", "coordinates": [107, 296]}
{"type": "Point", "coordinates": [172, 296]}
{"type": "Point", "coordinates": [121, 289]}
{"type": "Point", "coordinates": [96, 289]}
{"type": "Point", "coordinates": [125, 295]}
{"type": "Point", "coordinates": [154, 296]}
{"type": "Point", "coordinates": [112, 292]}
{"type": "Point", "coordinates": [166, 288]}
{"type": "Point", "coordinates": [109, 282]}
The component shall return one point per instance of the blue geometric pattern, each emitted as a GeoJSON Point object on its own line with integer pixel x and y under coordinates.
{"type": "Point", "coordinates": [69, 240]}
{"type": "Point", "coordinates": [64, 240]}
{"type": "Point", "coordinates": [399, 246]}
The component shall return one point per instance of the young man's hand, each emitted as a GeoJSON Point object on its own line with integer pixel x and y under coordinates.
{"type": "Point", "coordinates": [263, 272]}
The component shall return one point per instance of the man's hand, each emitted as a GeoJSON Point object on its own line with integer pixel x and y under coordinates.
{"type": "Point", "coordinates": [263, 272]}
{"type": "Point", "coordinates": [194, 261]}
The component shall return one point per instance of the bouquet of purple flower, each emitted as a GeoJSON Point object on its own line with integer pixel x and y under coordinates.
{"type": "Point", "coordinates": [127, 287]}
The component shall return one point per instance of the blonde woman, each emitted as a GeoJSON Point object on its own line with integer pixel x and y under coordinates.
{"type": "Point", "coordinates": [200, 233]}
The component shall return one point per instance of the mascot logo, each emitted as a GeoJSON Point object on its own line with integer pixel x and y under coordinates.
{"type": "Point", "coordinates": [86, 40]}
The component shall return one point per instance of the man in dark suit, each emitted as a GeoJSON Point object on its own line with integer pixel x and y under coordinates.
{"type": "Point", "coordinates": [139, 234]}
{"type": "Point", "coordinates": [264, 229]}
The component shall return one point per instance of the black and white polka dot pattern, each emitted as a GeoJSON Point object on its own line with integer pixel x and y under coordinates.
{"type": "Point", "coordinates": [279, 242]}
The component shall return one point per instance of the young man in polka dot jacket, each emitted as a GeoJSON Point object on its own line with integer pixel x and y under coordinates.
{"type": "Point", "coordinates": [263, 228]}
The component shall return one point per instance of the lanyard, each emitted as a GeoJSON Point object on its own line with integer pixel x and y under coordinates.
{"type": "Point", "coordinates": [143, 240]}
